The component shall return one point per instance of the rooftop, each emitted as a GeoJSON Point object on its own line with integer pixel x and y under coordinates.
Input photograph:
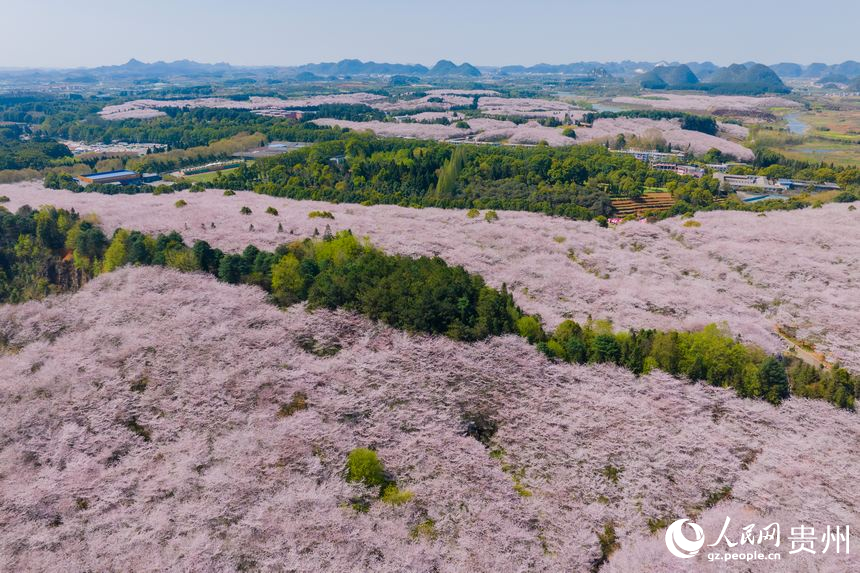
{"type": "Point", "coordinates": [109, 174]}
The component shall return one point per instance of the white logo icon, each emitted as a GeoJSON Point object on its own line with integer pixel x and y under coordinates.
{"type": "Point", "coordinates": [678, 543]}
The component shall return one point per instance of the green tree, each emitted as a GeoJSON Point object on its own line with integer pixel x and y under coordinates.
{"type": "Point", "coordinates": [116, 253]}
{"type": "Point", "coordinates": [605, 348]}
{"type": "Point", "coordinates": [288, 282]}
{"type": "Point", "coordinates": [529, 327]}
{"type": "Point", "coordinates": [773, 381]}
{"type": "Point", "coordinates": [363, 466]}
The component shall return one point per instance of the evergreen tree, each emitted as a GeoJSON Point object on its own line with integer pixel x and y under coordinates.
{"type": "Point", "coordinates": [773, 380]}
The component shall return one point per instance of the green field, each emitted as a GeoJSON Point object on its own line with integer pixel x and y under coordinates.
{"type": "Point", "coordinates": [820, 149]}
{"type": "Point", "coordinates": [209, 176]}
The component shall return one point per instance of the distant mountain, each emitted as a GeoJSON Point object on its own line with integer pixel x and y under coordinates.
{"type": "Point", "coordinates": [625, 68]}
{"type": "Point", "coordinates": [752, 79]}
{"type": "Point", "coordinates": [359, 68]}
{"type": "Point", "coordinates": [669, 77]}
{"type": "Point", "coordinates": [449, 68]}
{"type": "Point", "coordinates": [703, 70]}
{"type": "Point", "coordinates": [849, 69]}
{"type": "Point", "coordinates": [815, 70]}
{"type": "Point", "coordinates": [180, 67]}
{"type": "Point", "coordinates": [748, 79]}
{"type": "Point", "coordinates": [307, 77]}
{"type": "Point", "coordinates": [403, 80]}
{"type": "Point", "coordinates": [788, 70]}
{"type": "Point", "coordinates": [834, 79]}
{"type": "Point", "coordinates": [742, 74]}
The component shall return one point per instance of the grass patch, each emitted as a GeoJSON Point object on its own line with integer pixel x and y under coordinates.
{"type": "Point", "coordinates": [611, 473]}
{"type": "Point", "coordinates": [310, 345]}
{"type": "Point", "coordinates": [424, 530]}
{"type": "Point", "coordinates": [393, 495]}
{"type": "Point", "coordinates": [140, 385]}
{"type": "Point", "coordinates": [608, 545]}
{"type": "Point", "coordinates": [297, 403]}
{"type": "Point", "coordinates": [142, 431]}
{"type": "Point", "coordinates": [209, 176]}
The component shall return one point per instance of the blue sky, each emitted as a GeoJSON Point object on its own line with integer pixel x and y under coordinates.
{"type": "Point", "coordinates": [61, 33]}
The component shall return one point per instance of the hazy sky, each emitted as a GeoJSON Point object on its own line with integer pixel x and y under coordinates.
{"type": "Point", "coordinates": [65, 33]}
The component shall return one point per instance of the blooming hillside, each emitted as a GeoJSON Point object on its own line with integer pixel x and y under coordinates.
{"type": "Point", "coordinates": [794, 269]}
{"type": "Point", "coordinates": [707, 103]}
{"type": "Point", "coordinates": [165, 421]}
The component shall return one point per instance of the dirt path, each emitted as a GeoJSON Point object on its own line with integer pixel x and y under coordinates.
{"type": "Point", "coordinates": [797, 347]}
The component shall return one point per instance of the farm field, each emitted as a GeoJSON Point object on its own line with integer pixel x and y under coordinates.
{"type": "Point", "coordinates": [208, 177]}
{"type": "Point", "coordinates": [752, 271]}
{"type": "Point", "coordinates": [839, 116]}
{"type": "Point", "coordinates": [823, 149]}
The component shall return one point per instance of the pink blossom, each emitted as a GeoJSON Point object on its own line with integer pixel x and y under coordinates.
{"type": "Point", "coordinates": [754, 272]}
{"type": "Point", "coordinates": [223, 481]}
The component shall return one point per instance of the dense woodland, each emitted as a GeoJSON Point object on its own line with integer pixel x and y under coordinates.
{"type": "Point", "coordinates": [49, 251]}
{"type": "Point", "coordinates": [575, 182]}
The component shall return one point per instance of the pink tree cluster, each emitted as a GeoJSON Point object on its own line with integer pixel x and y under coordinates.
{"type": "Point", "coordinates": [141, 431]}
{"type": "Point", "coordinates": [755, 272]}
{"type": "Point", "coordinates": [670, 130]}
{"type": "Point", "coordinates": [140, 108]}
{"type": "Point", "coordinates": [707, 103]}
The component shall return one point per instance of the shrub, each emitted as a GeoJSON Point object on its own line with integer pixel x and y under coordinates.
{"type": "Point", "coordinates": [184, 260]}
{"type": "Point", "coordinates": [602, 221]}
{"type": "Point", "coordinates": [529, 327]}
{"type": "Point", "coordinates": [425, 529]}
{"type": "Point", "coordinates": [491, 216]}
{"type": "Point", "coordinates": [692, 223]}
{"type": "Point", "coordinates": [611, 473]}
{"type": "Point", "coordinates": [245, 211]}
{"type": "Point", "coordinates": [473, 213]}
{"type": "Point", "coordinates": [229, 193]}
{"type": "Point", "coordinates": [272, 211]}
{"type": "Point", "coordinates": [395, 496]}
{"type": "Point", "coordinates": [306, 342]}
{"type": "Point", "coordinates": [363, 465]}
{"type": "Point", "coordinates": [4, 199]}
{"type": "Point", "coordinates": [297, 403]}
{"type": "Point", "coordinates": [569, 132]}
{"type": "Point", "coordinates": [320, 215]}
{"type": "Point", "coordinates": [480, 427]}
{"type": "Point", "coordinates": [140, 385]}
{"type": "Point", "coordinates": [180, 203]}
{"type": "Point", "coordinates": [133, 425]}
{"type": "Point", "coordinates": [608, 544]}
